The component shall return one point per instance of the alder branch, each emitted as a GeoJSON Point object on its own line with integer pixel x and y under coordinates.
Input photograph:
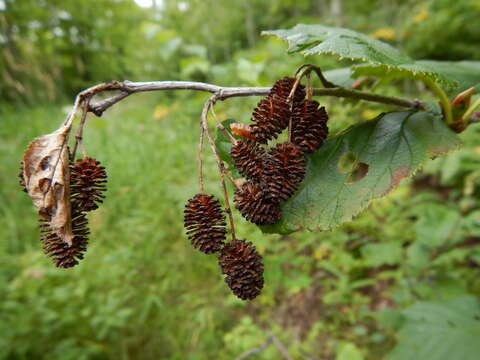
{"type": "Point", "coordinates": [127, 88]}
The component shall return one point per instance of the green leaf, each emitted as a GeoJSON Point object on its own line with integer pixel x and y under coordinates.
{"type": "Point", "coordinates": [436, 225]}
{"type": "Point", "coordinates": [380, 58]}
{"type": "Point", "coordinates": [365, 162]}
{"type": "Point", "coordinates": [223, 143]}
{"type": "Point", "coordinates": [379, 254]}
{"type": "Point", "coordinates": [464, 74]}
{"type": "Point", "coordinates": [415, 70]}
{"type": "Point", "coordinates": [440, 331]}
{"type": "Point", "coordinates": [348, 351]}
{"type": "Point", "coordinates": [341, 77]}
{"type": "Point", "coordinates": [345, 43]}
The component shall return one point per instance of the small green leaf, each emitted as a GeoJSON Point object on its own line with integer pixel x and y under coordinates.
{"type": "Point", "coordinates": [379, 254]}
{"type": "Point", "coordinates": [440, 331]}
{"type": "Point", "coordinates": [437, 224]}
{"type": "Point", "coordinates": [223, 143]}
{"type": "Point", "coordinates": [386, 150]}
{"type": "Point", "coordinates": [348, 351]}
{"type": "Point", "coordinates": [341, 77]}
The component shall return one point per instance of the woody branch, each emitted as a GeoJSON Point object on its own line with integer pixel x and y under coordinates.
{"type": "Point", "coordinates": [126, 88]}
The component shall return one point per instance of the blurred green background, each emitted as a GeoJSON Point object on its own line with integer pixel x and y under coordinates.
{"type": "Point", "coordinates": [142, 292]}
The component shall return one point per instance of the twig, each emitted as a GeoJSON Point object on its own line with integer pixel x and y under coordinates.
{"type": "Point", "coordinates": [221, 167]}
{"type": "Point", "coordinates": [281, 348]}
{"type": "Point", "coordinates": [200, 158]}
{"type": "Point", "coordinates": [255, 350]}
{"type": "Point", "coordinates": [128, 87]}
{"type": "Point", "coordinates": [79, 134]}
{"type": "Point", "coordinates": [319, 73]}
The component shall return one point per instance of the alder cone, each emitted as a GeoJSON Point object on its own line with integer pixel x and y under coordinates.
{"type": "Point", "coordinates": [255, 204]}
{"type": "Point", "coordinates": [272, 114]}
{"type": "Point", "coordinates": [270, 118]}
{"type": "Point", "coordinates": [243, 266]}
{"type": "Point", "coordinates": [284, 171]}
{"type": "Point", "coordinates": [62, 254]}
{"type": "Point", "coordinates": [283, 87]}
{"type": "Point", "coordinates": [309, 129]}
{"type": "Point", "coordinates": [248, 158]}
{"type": "Point", "coordinates": [87, 183]}
{"type": "Point", "coordinates": [204, 221]}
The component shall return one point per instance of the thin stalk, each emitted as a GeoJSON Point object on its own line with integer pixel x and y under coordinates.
{"type": "Point", "coordinates": [309, 87]}
{"type": "Point", "coordinates": [470, 111]}
{"type": "Point", "coordinates": [79, 134]}
{"type": "Point", "coordinates": [447, 108]}
{"type": "Point", "coordinates": [221, 167]}
{"type": "Point", "coordinates": [320, 76]}
{"type": "Point", "coordinates": [200, 159]}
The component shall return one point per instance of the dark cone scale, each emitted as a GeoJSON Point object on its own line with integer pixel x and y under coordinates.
{"type": "Point", "coordinates": [204, 221]}
{"type": "Point", "coordinates": [243, 266]}
{"type": "Point", "coordinates": [272, 114]}
{"type": "Point", "coordinates": [87, 183]}
{"type": "Point", "coordinates": [62, 254]}
{"type": "Point", "coordinates": [255, 205]}
{"type": "Point", "coordinates": [309, 129]}
{"type": "Point", "coordinates": [284, 171]}
{"type": "Point", "coordinates": [248, 158]}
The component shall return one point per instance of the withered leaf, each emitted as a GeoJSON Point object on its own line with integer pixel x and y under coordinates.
{"type": "Point", "coordinates": [46, 174]}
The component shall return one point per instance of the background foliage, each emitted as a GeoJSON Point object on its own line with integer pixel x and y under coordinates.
{"type": "Point", "coordinates": [400, 279]}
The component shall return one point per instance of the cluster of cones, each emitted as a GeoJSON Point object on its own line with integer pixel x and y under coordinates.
{"type": "Point", "coordinates": [272, 175]}
{"type": "Point", "coordinates": [87, 184]}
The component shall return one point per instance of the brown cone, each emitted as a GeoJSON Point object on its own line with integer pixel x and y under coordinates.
{"type": "Point", "coordinates": [272, 114]}
{"type": "Point", "coordinates": [309, 129]}
{"type": "Point", "coordinates": [243, 266]}
{"type": "Point", "coordinates": [62, 254]}
{"type": "Point", "coordinates": [87, 183]}
{"type": "Point", "coordinates": [284, 171]}
{"type": "Point", "coordinates": [255, 205]}
{"type": "Point", "coordinates": [283, 87]}
{"type": "Point", "coordinates": [270, 118]}
{"type": "Point", "coordinates": [248, 158]}
{"type": "Point", "coordinates": [204, 221]}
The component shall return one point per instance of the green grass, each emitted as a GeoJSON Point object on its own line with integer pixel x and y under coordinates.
{"type": "Point", "coordinates": [141, 288]}
{"type": "Point", "coordinates": [143, 292]}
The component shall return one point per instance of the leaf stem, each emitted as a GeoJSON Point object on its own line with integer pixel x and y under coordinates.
{"type": "Point", "coordinates": [470, 111]}
{"type": "Point", "coordinates": [447, 108]}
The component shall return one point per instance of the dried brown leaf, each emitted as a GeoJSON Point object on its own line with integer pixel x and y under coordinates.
{"type": "Point", "coordinates": [47, 178]}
